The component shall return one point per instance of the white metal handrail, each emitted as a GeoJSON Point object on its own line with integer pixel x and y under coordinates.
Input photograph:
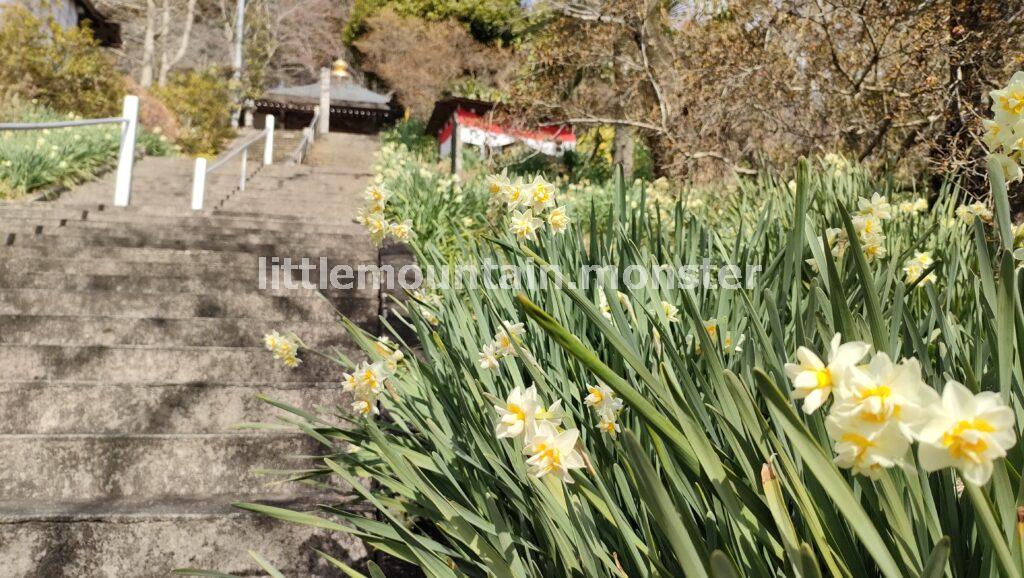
{"type": "Point", "coordinates": [308, 136]}
{"type": "Point", "coordinates": [129, 121]}
{"type": "Point", "coordinates": [202, 169]}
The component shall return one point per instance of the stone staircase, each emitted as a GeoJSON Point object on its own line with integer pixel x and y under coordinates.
{"type": "Point", "coordinates": [131, 344]}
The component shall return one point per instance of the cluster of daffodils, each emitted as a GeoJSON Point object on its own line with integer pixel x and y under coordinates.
{"type": "Point", "coordinates": [1004, 134]}
{"type": "Point", "coordinates": [918, 205]}
{"type": "Point", "coordinates": [968, 213]}
{"type": "Point", "coordinates": [868, 222]}
{"type": "Point", "coordinates": [836, 163]}
{"type": "Point", "coordinates": [549, 449]}
{"type": "Point", "coordinates": [602, 400]}
{"type": "Point", "coordinates": [914, 269]}
{"type": "Point", "coordinates": [503, 345]}
{"type": "Point", "coordinates": [372, 217]}
{"type": "Point", "coordinates": [284, 347]}
{"type": "Point", "coordinates": [531, 205]}
{"type": "Point", "coordinates": [368, 379]}
{"type": "Point", "coordinates": [365, 384]}
{"type": "Point", "coordinates": [880, 408]}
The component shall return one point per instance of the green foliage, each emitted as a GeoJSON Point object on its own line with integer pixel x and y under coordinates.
{"type": "Point", "coordinates": [716, 472]}
{"type": "Point", "coordinates": [202, 100]}
{"type": "Point", "coordinates": [65, 69]}
{"type": "Point", "coordinates": [487, 20]}
{"type": "Point", "coordinates": [45, 159]}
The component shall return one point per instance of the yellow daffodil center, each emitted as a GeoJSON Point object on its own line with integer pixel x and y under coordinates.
{"type": "Point", "coordinates": [517, 412]}
{"type": "Point", "coordinates": [860, 441]}
{"type": "Point", "coordinates": [596, 394]}
{"type": "Point", "coordinates": [824, 378]}
{"type": "Point", "coordinates": [1014, 102]}
{"type": "Point", "coordinates": [960, 448]}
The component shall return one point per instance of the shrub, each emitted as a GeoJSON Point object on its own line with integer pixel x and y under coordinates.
{"type": "Point", "coordinates": [64, 69]}
{"type": "Point", "coordinates": [202, 101]}
{"type": "Point", "coordinates": [46, 159]}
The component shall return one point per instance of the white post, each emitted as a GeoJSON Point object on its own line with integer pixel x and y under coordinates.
{"type": "Point", "coordinates": [199, 184]}
{"type": "Point", "coordinates": [245, 169]}
{"type": "Point", "coordinates": [325, 101]}
{"type": "Point", "coordinates": [312, 130]}
{"type": "Point", "coordinates": [268, 149]}
{"type": "Point", "coordinates": [126, 156]}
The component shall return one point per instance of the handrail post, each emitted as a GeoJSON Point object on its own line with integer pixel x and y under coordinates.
{"type": "Point", "coordinates": [126, 154]}
{"type": "Point", "coordinates": [312, 126]}
{"type": "Point", "coordinates": [268, 148]}
{"type": "Point", "coordinates": [245, 169]}
{"type": "Point", "coordinates": [199, 184]}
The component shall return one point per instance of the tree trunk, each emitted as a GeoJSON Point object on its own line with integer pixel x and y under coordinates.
{"type": "Point", "coordinates": [148, 45]}
{"type": "Point", "coordinates": [972, 56]}
{"type": "Point", "coordinates": [622, 150]}
{"type": "Point", "coordinates": [168, 61]}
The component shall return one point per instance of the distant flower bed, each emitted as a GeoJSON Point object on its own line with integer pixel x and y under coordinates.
{"type": "Point", "coordinates": [37, 160]}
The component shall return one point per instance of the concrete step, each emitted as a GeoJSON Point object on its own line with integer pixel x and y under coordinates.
{"type": "Point", "coordinates": [181, 305]}
{"type": "Point", "coordinates": [212, 282]}
{"type": "Point", "coordinates": [100, 238]}
{"type": "Point", "coordinates": [198, 332]}
{"type": "Point", "coordinates": [112, 408]}
{"type": "Point", "coordinates": [144, 364]}
{"type": "Point", "coordinates": [244, 275]}
{"type": "Point", "coordinates": [152, 539]}
{"type": "Point", "coordinates": [25, 248]}
{"type": "Point", "coordinates": [112, 218]}
{"type": "Point", "coordinates": [84, 467]}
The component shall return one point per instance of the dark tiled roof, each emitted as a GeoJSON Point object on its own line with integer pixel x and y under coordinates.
{"type": "Point", "coordinates": [343, 92]}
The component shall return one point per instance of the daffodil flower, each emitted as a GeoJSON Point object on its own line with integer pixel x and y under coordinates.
{"type": "Point", "coordinates": [813, 380]}
{"type": "Point", "coordinates": [866, 447]}
{"type": "Point", "coordinates": [967, 432]}
{"type": "Point", "coordinates": [517, 413]}
{"type": "Point", "coordinates": [553, 452]}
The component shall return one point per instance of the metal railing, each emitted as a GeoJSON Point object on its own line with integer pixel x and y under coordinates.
{"type": "Point", "coordinates": [129, 121]}
{"type": "Point", "coordinates": [201, 168]}
{"type": "Point", "coordinates": [308, 136]}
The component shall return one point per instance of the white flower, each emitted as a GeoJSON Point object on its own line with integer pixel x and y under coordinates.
{"type": "Point", "coordinates": [514, 193]}
{"type": "Point", "coordinates": [489, 356]}
{"type": "Point", "coordinates": [558, 220]}
{"type": "Point", "coordinates": [284, 348]}
{"type": "Point", "coordinates": [813, 380]}
{"type": "Point", "coordinates": [866, 447]}
{"type": "Point", "coordinates": [1008, 102]}
{"type": "Point", "coordinates": [366, 381]}
{"type": "Point", "coordinates": [524, 225]}
{"type": "Point", "coordinates": [508, 337]}
{"type": "Point", "coordinates": [365, 407]}
{"type": "Point", "coordinates": [975, 210]}
{"type": "Point", "coordinates": [966, 431]}
{"type": "Point", "coordinates": [913, 268]}
{"type": "Point", "coordinates": [883, 391]}
{"type": "Point", "coordinates": [518, 413]}
{"type": "Point", "coordinates": [671, 312]}
{"type": "Point", "coordinates": [874, 248]}
{"type": "Point", "coordinates": [602, 399]}
{"type": "Point", "coordinates": [402, 231]}
{"type": "Point", "coordinates": [551, 415]}
{"type": "Point", "coordinates": [496, 184]}
{"type": "Point", "coordinates": [876, 206]}
{"type": "Point", "coordinates": [541, 194]}
{"type": "Point", "coordinates": [867, 225]}
{"type": "Point", "coordinates": [377, 195]}
{"type": "Point", "coordinates": [553, 452]}
{"type": "Point", "coordinates": [609, 426]}
{"type": "Point", "coordinates": [377, 226]}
